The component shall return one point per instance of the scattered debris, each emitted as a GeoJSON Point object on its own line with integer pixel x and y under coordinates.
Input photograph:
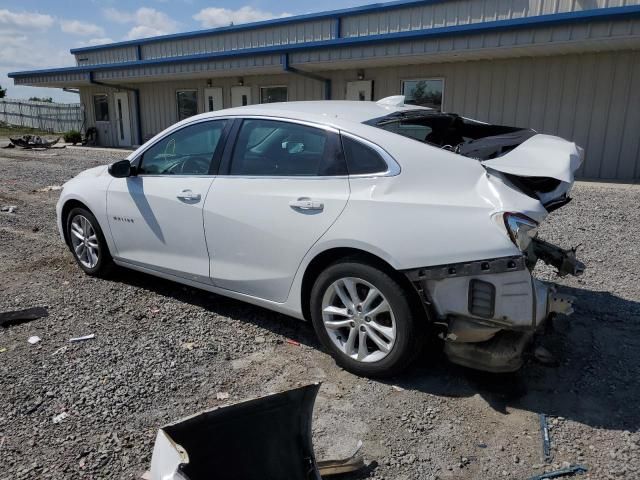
{"type": "Point", "coordinates": [293, 342]}
{"type": "Point", "coordinates": [9, 209]}
{"type": "Point", "coordinates": [353, 463]}
{"type": "Point", "coordinates": [546, 440]}
{"type": "Point", "coordinates": [60, 417]}
{"type": "Point", "coordinates": [33, 141]}
{"type": "Point", "coordinates": [189, 345]}
{"type": "Point", "coordinates": [544, 356]}
{"type": "Point", "coordinates": [222, 395]}
{"type": "Point", "coordinates": [17, 317]}
{"type": "Point", "coordinates": [39, 401]}
{"type": "Point", "coordinates": [82, 339]}
{"type": "Point", "coordinates": [50, 188]}
{"type": "Point", "coordinates": [3, 349]}
{"type": "Point", "coordinates": [569, 471]}
{"type": "Point", "coordinates": [397, 388]}
{"type": "Point", "coordinates": [60, 350]}
{"type": "Point", "coordinates": [33, 339]}
{"type": "Point", "coordinates": [275, 429]}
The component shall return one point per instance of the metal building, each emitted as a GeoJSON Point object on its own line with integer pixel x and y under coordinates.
{"type": "Point", "coordinates": [565, 67]}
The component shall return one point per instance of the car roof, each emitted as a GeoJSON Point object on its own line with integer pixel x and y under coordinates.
{"type": "Point", "coordinates": [326, 111]}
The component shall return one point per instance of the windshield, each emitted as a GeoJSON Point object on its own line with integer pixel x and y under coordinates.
{"type": "Point", "coordinates": [452, 132]}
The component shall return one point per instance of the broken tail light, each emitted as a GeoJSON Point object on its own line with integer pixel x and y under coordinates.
{"type": "Point", "coordinates": [521, 229]}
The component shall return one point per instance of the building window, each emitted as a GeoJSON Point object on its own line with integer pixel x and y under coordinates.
{"type": "Point", "coordinates": [101, 107]}
{"type": "Point", "coordinates": [187, 101]}
{"type": "Point", "coordinates": [426, 92]}
{"type": "Point", "coordinates": [273, 94]}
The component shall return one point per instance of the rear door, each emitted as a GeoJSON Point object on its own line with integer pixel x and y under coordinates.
{"type": "Point", "coordinates": [280, 189]}
{"type": "Point", "coordinates": [155, 217]}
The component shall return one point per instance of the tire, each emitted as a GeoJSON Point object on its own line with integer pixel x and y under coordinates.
{"type": "Point", "coordinates": [401, 329]}
{"type": "Point", "coordinates": [81, 221]}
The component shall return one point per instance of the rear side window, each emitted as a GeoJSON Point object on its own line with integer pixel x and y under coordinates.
{"type": "Point", "coordinates": [362, 159]}
{"type": "Point", "coordinates": [276, 148]}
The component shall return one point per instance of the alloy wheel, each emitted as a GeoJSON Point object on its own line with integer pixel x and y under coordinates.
{"type": "Point", "coordinates": [84, 241]}
{"type": "Point", "coordinates": [358, 319]}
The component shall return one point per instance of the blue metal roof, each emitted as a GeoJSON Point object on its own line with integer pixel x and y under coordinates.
{"type": "Point", "coordinates": [537, 21]}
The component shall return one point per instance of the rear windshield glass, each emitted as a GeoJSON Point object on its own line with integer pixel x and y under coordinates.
{"type": "Point", "coordinates": [453, 132]}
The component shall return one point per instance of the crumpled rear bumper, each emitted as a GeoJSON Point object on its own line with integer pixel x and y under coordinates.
{"type": "Point", "coordinates": [490, 309]}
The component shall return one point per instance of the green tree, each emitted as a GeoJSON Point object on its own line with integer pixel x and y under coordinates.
{"type": "Point", "coordinates": [3, 92]}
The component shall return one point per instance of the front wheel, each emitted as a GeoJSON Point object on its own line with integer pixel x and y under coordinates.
{"type": "Point", "coordinates": [87, 243]}
{"type": "Point", "coordinates": [366, 319]}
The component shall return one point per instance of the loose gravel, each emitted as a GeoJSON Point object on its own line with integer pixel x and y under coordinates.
{"type": "Point", "coordinates": [162, 351]}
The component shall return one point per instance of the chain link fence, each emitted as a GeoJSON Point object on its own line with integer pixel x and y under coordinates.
{"type": "Point", "coordinates": [50, 117]}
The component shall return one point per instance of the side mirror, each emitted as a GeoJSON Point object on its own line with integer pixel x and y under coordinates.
{"type": "Point", "coordinates": [120, 169]}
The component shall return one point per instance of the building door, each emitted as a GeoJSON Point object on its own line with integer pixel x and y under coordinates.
{"type": "Point", "coordinates": [213, 99]}
{"type": "Point", "coordinates": [361, 91]}
{"type": "Point", "coordinates": [240, 96]}
{"type": "Point", "coordinates": [123, 119]}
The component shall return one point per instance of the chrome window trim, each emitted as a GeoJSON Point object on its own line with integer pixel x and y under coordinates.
{"type": "Point", "coordinates": [393, 168]}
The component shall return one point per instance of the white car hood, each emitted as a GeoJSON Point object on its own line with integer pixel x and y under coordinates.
{"type": "Point", "coordinates": [94, 172]}
{"type": "Point", "coordinates": [541, 156]}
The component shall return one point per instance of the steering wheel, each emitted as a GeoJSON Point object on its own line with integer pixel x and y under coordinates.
{"type": "Point", "coordinates": [195, 165]}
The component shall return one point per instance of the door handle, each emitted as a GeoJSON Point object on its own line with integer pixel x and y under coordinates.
{"type": "Point", "coordinates": [306, 203]}
{"type": "Point", "coordinates": [188, 196]}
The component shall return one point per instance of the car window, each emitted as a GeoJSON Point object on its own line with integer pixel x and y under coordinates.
{"type": "Point", "coordinates": [189, 151]}
{"type": "Point", "coordinates": [409, 129]}
{"type": "Point", "coordinates": [277, 148]}
{"type": "Point", "coordinates": [362, 159]}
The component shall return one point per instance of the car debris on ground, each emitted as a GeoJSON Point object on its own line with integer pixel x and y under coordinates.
{"type": "Point", "coordinates": [546, 439]}
{"type": "Point", "coordinates": [9, 209]}
{"type": "Point", "coordinates": [564, 472]}
{"type": "Point", "coordinates": [33, 142]}
{"type": "Point", "coordinates": [33, 339]}
{"type": "Point", "coordinates": [16, 317]}
{"type": "Point", "coordinates": [82, 339]}
{"type": "Point", "coordinates": [267, 437]}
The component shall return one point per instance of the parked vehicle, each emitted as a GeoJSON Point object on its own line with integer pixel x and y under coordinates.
{"type": "Point", "coordinates": [378, 222]}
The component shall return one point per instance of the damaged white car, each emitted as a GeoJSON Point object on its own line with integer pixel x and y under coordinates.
{"type": "Point", "coordinates": [379, 222]}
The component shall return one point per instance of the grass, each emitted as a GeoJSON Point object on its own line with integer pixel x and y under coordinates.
{"type": "Point", "coordinates": [14, 131]}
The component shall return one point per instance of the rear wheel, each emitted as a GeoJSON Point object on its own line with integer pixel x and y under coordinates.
{"type": "Point", "coordinates": [87, 242]}
{"type": "Point", "coordinates": [366, 319]}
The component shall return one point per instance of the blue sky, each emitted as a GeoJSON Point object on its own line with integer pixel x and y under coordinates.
{"type": "Point", "coordinates": [39, 34]}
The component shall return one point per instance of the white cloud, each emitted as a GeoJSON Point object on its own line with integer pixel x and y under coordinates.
{"type": "Point", "coordinates": [94, 41]}
{"type": "Point", "coordinates": [147, 22]}
{"type": "Point", "coordinates": [77, 27]}
{"type": "Point", "coordinates": [222, 17]}
{"type": "Point", "coordinates": [25, 19]}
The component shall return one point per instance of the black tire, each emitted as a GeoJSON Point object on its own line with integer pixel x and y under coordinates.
{"type": "Point", "coordinates": [104, 265]}
{"type": "Point", "coordinates": [409, 322]}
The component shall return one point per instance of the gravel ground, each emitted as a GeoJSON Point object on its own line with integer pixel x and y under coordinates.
{"type": "Point", "coordinates": [163, 351]}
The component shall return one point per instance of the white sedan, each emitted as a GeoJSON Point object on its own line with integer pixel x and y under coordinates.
{"type": "Point", "coordinates": [379, 222]}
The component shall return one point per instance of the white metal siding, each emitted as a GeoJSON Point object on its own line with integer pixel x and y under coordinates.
{"type": "Point", "coordinates": [462, 12]}
{"type": "Point", "coordinates": [226, 42]}
{"type": "Point", "coordinates": [108, 55]}
{"type": "Point", "coordinates": [591, 99]}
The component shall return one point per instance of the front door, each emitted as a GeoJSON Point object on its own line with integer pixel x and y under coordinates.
{"type": "Point", "coordinates": [240, 96]}
{"type": "Point", "coordinates": [283, 188]}
{"type": "Point", "coordinates": [123, 119]}
{"type": "Point", "coordinates": [155, 217]}
{"type": "Point", "coordinates": [361, 90]}
{"type": "Point", "coordinates": [213, 99]}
